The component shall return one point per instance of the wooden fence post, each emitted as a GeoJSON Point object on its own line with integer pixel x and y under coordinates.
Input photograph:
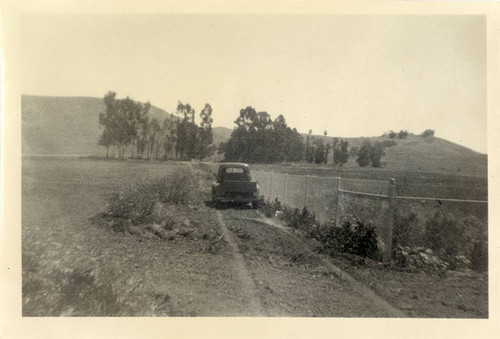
{"type": "Point", "coordinates": [390, 224]}
{"type": "Point", "coordinates": [307, 189]}
{"type": "Point", "coordinates": [337, 200]}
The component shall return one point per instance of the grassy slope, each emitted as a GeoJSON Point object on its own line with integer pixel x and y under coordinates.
{"type": "Point", "coordinates": [64, 125]}
{"type": "Point", "coordinates": [423, 155]}
{"type": "Point", "coordinates": [221, 134]}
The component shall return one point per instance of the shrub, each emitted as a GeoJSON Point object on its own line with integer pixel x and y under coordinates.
{"type": "Point", "coordinates": [405, 232]}
{"type": "Point", "coordinates": [136, 201]}
{"type": "Point", "coordinates": [442, 235]}
{"type": "Point", "coordinates": [451, 236]}
{"type": "Point", "coordinates": [356, 238]}
{"type": "Point", "coordinates": [363, 159]}
{"type": "Point", "coordinates": [427, 133]}
{"type": "Point", "coordinates": [300, 219]}
{"type": "Point", "coordinates": [371, 154]}
{"type": "Point", "coordinates": [270, 208]}
{"type": "Point", "coordinates": [361, 239]}
{"type": "Point", "coordinates": [403, 134]}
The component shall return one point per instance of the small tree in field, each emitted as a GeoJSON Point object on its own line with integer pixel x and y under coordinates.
{"type": "Point", "coordinates": [403, 134]}
{"type": "Point", "coordinates": [376, 154]}
{"type": "Point", "coordinates": [319, 152]}
{"type": "Point", "coordinates": [327, 151]}
{"type": "Point", "coordinates": [428, 133]}
{"type": "Point", "coordinates": [120, 121]}
{"type": "Point", "coordinates": [309, 156]}
{"type": "Point", "coordinates": [363, 159]}
{"type": "Point", "coordinates": [205, 134]}
{"type": "Point", "coordinates": [341, 153]}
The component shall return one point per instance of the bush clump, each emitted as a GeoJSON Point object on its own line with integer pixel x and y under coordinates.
{"type": "Point", "coordinates": [300, 219]}
{"type": "Point", "coordinates": [453, 237]}
{"type": "Point", "coordinates": [270, 207]}
{"type": "Point", "coordinates": [136, 201]}
{"type": "Point", "coordinates": [406, 230]}
{"type": "Point", "coordinates": [357, 237]}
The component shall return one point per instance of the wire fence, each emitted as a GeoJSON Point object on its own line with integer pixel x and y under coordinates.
{"type": "Point", "coordinates": [335, 200]}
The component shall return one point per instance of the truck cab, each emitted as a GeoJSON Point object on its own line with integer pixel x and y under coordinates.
{"type": "Point", "coordinates": [234, 184]}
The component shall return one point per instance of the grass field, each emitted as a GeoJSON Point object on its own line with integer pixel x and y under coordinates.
{"type": "Point", "coordinates": [408, 182]}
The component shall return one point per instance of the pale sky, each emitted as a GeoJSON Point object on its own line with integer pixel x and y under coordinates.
{"type": "Point", "coordinates": [351, 75]}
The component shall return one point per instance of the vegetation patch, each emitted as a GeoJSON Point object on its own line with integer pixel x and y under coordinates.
{"type": "Point", "coordinates": [450, 241]}
{"type": "Point", "coordinates": [439, 243]}
{"type": "Point", "coordinates": [158, 208]}
{"type": "Point", "coordinates": [59, 290]}
{"type": "Point", "coordinates": [356, 238]}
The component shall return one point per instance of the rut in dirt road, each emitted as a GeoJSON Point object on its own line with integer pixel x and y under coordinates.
{"type": "Point", "coordinates": [248, 288]}
{"type": "Point", "coordinates": [365, 291]}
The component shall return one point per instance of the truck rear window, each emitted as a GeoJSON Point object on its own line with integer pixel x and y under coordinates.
{"type": "Point", "coordinates": [234, 170]}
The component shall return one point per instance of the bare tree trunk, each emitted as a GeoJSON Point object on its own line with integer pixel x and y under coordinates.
{"type": "Point", "coordinates": [158, 148]}
{"type": "Point", "coordinates": [152, 145]}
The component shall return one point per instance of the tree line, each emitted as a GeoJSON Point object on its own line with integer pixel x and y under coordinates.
{"type": "Point", "coordinates": [127, 125]}
{"type": "Point", "coordinates": [256, 137]}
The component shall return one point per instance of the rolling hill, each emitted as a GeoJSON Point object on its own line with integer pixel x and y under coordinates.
{"type": "Point", "coordinates": [70, 126]}
{"type": "Point", "coordinates": [416, 153]}
{"type": "Point", "coordinates": [64, 125]}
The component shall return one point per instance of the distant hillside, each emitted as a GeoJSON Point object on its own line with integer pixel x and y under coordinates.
{"type": "Point", "coordinates": [64, 125]}
{"type": "Point", "coordinates": [70, 126]}
{"type": "Point", "coordinates": [221, 134]}
{"type": "Point", "coordinates": [422, 154]}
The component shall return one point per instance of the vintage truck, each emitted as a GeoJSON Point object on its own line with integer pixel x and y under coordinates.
{"type": "Point", "coordinates": [234, 184]}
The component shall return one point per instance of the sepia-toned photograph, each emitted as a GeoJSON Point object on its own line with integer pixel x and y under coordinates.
{"type": "Point", "coordinates": [254, 165]}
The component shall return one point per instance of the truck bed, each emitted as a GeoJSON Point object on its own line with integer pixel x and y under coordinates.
{"type": "Point", "coordinates": [230, 186]}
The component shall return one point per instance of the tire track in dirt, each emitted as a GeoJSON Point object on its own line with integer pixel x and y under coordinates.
{"type": "Point", "coordinates": [360, 287]}
{"type": "Point", "coordinates": [248, 288]}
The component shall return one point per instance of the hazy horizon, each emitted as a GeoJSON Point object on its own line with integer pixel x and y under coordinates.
{"type": "Point", "coordinates": [351, 75]}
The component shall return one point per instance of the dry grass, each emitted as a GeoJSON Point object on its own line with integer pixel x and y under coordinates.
{"type": "Point", "coordinates": [62, 289]}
